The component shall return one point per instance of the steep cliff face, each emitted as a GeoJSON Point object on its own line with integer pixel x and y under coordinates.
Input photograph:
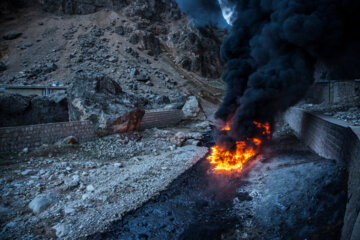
{"type": "Point", "coordinates": [159, 27]}
{"type": "Point", "coordinates": [148, 47]}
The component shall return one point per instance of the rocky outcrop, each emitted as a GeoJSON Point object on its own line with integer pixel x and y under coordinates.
{"type": "Point", "coordinates": [16, 110]}
{"type": "Point", "coordinates": [197, 49]}
{"type": "Point", "coordinates": [157, 26]}
{"type": "Point", "coordinates": [100, 99]}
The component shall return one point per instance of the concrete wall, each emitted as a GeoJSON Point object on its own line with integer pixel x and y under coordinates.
{"type": "Point", "coordinates": [17, 138]}
{"type": "Point", "coordinates": [334, 139]}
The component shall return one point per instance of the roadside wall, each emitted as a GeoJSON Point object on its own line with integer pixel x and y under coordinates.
{"type": "Point", "coordinates": [333, 139]}
{"type": "Point", "coordinates": [161, 119]}
{"type": "Point", "coordinates": [17, 138]}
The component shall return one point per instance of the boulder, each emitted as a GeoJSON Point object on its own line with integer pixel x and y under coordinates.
{"type": "Point", "coordinates": [46, 110]}
{"type": "Point", "coordinates": [11, 35]}
{"type": "Point", "coordinates": [113, 59]}
{"type": "Point", "coordinates": [16, 109]}
{"type": "Point", "coordinates": [191, 108]}
{"type": "Point", "coordinates": [107, 85]}
{"type": "Point", "coordinates": [178, 139]}
{"type": "Point", "coordinates": [142, 77]}
{"type": "Point", "coordinates": [100, 99]}
{"type": "Point", "coordinates": [120, 30]}
{"type": "Point", "coordinates": [150, 42]}
{"type": "Point", "coordinates": [11, 104]}
{"type": "Point", "coordinates": [41, 202]}
{"type": "Point", "coordinates": [129, 122]}
{"type": "Point", "coordinates": [134, 38]}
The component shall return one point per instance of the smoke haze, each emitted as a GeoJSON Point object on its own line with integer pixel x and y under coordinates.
{"type": "Point", "coordinates": [272, 49]}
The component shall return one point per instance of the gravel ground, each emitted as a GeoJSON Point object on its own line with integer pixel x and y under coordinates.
{"type": "Point", "coordinates": [71, 191]}
{"type": "Point", "coordinates": [348, 112]}
{"type": "Point", "coordinates": [288, 193]}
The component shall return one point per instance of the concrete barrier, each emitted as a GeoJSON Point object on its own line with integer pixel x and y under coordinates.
{"type": "Point", "coordinates": [333, 139]}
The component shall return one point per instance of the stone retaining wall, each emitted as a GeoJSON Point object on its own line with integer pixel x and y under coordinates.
{"type": "Point", "coordinates": [17, 138]}
{"type": "Point", "coordinates": [161, 119]}
{"type": "Point", "coordinates": [334, 139]}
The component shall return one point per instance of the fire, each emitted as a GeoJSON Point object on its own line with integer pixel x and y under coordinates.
{"type": "Point", "coordinates": [224, 159]}
{"type": "Point", "coordinates": [265, 128]}
{"type": "Point", "coordinates": [227, 126]}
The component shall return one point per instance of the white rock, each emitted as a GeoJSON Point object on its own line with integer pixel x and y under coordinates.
{"type": "Point", "coordinates": [41, 202]}
{"type": "Point", "coordinates": [202, 125]}
{"type": "Point", "coordinates": [192, 142]}
{"type": "Point", "coordinates": [191, 108]}
{"type": "Point", "coordinates": [194, 135]}
{"type": "Point", "coordinates": [61, 230]}
{"type": "Point", "coordinates": [90, 188]}
{"type": "Point", "coordinates": [74, 182]}
{"type": "Point", "coordinates": [178, 139]}
{"type": "Point", "coordinates": [82, 187]}
{"type": "Point", "coordinates": [85, 196]}
{"type": "Point", "coordinates": [69, 210]}
{"type": "Point", "coordinates": [118, 165]}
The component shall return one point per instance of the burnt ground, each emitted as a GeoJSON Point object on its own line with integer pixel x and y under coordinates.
{"type": "Point", "coordinates": [289, 193]}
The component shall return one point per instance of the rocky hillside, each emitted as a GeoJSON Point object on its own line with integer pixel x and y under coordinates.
{"type": "Point", "coordinates": [148, 47]}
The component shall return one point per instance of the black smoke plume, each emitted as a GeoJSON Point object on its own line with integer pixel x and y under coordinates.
{"type": "Point", "coordinates": [271, 52]}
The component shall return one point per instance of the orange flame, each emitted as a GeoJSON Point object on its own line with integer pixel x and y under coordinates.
{"type": "Point", "coordinates": [224, 159]}
{"type": "Point", "coordinates": [265, 127]}
{"type": "Point", "coordinates": [227, 127]}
